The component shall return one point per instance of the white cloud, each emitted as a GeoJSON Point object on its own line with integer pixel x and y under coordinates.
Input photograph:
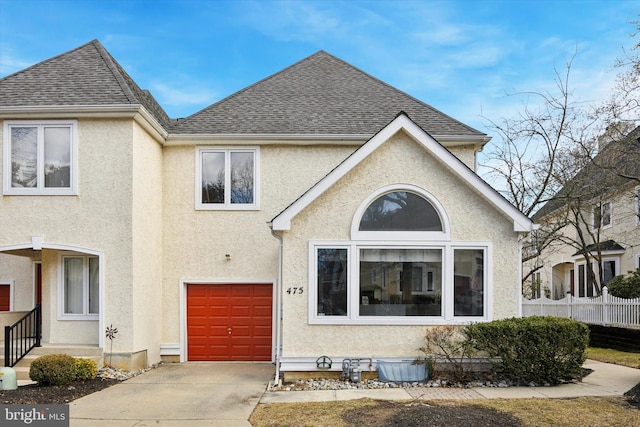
{"type": "Point", "coordinates": [183, 101]}
{"type": "Point", "coordinates": [10, 64]}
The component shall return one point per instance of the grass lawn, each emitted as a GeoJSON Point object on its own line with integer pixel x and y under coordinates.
{"type": "Point", "coordinates": [578, 412]}
{"type": "Point", "coordinates": [617, 357]}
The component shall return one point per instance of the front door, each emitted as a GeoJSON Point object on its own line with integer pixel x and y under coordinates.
{"type": "Point", "coordinates": [229, 322]}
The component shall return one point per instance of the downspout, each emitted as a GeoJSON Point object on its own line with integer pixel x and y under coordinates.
{"type": "Point", "coordinates": [278, 295]}
{"type": "Point", "coordinates": [521, 239]}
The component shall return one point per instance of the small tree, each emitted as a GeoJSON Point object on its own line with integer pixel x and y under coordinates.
{"type": "Point", "coordinates": [449, 343]}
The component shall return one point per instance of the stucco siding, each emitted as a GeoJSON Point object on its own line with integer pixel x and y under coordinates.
{"type": "Point", "coordinates": [399, 160]}
{"type": "Point", "coordinates": [19, 271]}
{"type": "Point", "coordinates": [146, 304]}
{"type": "Point", "coordinates": [98, 218]}
{"type": "Point", "coordinates": [195, 242]}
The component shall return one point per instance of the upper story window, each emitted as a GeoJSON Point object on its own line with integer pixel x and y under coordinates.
{"type": "Point", "coordinates": [602, 216]}
{"type": "Point", "coordinates": [40, 158]}
{"type": "Point", "coordinates": [227, 178]}
{"type": "Point", "coordinates": [400, 212]}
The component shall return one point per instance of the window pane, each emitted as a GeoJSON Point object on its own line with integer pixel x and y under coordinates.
{"type": "Point", "coordinates": [94, 293]}
{"type": "Point", "coordinates": [400, 282]}
{"type": "Point", "coordinates": [400, 211]}
{"type": "Point", "coordinates": [241, 177]}
{"type": "Point", "coordinates": [57, 157]}
{"type": "Point", "coordinates": [212, 177]}
{"type": "Point", "coordinates": [606, 214]}
{"type": "Point", "coordinates": [332, 282]}
{"type": "Point", "coordinates": [24, 157]}
{"type": "Point", "coordinates": [73, 291]}
{"type": "Point", "coordinates": [608, 271]}
{"type": "Point", "coordinates": [468, 280]}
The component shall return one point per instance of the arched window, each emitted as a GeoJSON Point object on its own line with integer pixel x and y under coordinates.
{"type": "Point", "coordinates": [400, 211]}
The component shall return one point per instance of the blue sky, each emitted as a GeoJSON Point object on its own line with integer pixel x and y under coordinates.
{"type": "Point", "coordinates": [460, 56]}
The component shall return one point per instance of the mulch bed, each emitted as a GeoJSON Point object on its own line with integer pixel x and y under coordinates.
{"type": "Point", "coordinates": [633, 396]}
{"type": "Point", "coordinates": [396, 414]}
{"type": "Point", "coordinates": [36, 394]}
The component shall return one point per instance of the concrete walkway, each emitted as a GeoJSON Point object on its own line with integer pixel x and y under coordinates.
{"type": "Point", "coordinates": [225, 394]}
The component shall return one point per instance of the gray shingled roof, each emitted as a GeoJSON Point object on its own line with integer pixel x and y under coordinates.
{"type": "Point", "coordinates": [318, 95]}
{"type": "Point", "coordinates": [87, 75]}
{"type": "Point", "coordinates": [616, 167]}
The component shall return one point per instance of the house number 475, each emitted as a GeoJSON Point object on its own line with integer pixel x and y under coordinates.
{"type": "Point", "coordinates": [293, 291]}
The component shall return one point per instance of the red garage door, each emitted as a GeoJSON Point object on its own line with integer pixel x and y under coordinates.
{"type": "Point", "coordinates": [229, 322]}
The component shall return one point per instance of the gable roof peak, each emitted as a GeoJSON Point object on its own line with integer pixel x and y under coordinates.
{"type": "Point", "coordinates": [402, 122]}
{"type": "Point", "coordinates": [85, 76]}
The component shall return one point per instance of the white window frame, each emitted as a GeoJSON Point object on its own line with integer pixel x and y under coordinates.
{"type": "Point", "coordinates": [601, 225]}
{"type": "Point", "coordinates": [40, 189]}
{"type": "Point", "coordinates": [353, 283]}
{"type": "Point", "coordinates": [430, 236]}
{"type": "Point", "coordinates": [616, 260]}
{"type": "Point", "coordinates": [85, 288]}
{"type": "Point", "coordinates": [227, 205]}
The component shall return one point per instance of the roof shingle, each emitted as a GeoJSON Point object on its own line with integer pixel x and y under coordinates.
{"type": "Point", "coordinates": [87, 75]}
{"type": "Point", "coordinates": [319, 95]}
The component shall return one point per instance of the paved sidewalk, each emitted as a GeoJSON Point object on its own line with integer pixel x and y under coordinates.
{"type": "Point", "coordinates": [198, 394]}
{"type": "Point", "coordinates": [605, 380]}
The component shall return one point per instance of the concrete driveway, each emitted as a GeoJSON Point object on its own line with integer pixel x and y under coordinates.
{"type": "Point", "coordinates": [185, 394]}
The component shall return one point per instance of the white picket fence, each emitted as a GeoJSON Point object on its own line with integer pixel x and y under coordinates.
{"type": "Point", "coordinates": [603, 310]}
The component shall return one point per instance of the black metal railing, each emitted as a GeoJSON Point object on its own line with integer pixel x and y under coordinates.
{"type": "Point", "coordinates": [22, 336]}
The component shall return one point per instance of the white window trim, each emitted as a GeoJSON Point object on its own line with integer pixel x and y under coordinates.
{"type": "Point", "coordinates": [85, 291]}
{"type": "Point", "coordinates": [601, 226]}
{"type": "Point", "coordinates": [353, 289]}
{"type": "Point", "coordinates": [430, 236]}
{"type": "Point", "coordinates": [228, 206]}
{"type": "Point", "coordinates": [637, 260]}
{"type": "Point", "coordinates": [6, 155]}
{"type": "Point", "coordinates": [617, 264]}
{"type": "Point", "coordinates": [10, 283]}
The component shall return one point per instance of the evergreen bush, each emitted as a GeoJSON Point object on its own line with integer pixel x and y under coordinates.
{"type": "Point", "coordinates": [86, 369]}
{"type": "Point", "coordinates": [537, 349]}
{"type": "Point", "coordinates": [625, 286]}
{"type": "Point", "coordinates": [53, 369]}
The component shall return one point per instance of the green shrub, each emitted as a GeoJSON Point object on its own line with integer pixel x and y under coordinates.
{"type": "Point", "coordinates": [625, 286]}
{"type": "Point", "coordinates": [538, 349]}
{"type": "Point", "coordinates": [86, 369]}
{"type": "Point", "coordinates": [53, 369]}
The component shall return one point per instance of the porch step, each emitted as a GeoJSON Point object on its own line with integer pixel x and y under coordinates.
{"type": "Point", "coordinates": [80, 351]}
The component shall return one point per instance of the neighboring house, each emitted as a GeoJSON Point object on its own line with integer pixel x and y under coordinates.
{"type": "Point", "coordinates": [597, 214]}
{"type": "Point", "coordinates": [317, 212]}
